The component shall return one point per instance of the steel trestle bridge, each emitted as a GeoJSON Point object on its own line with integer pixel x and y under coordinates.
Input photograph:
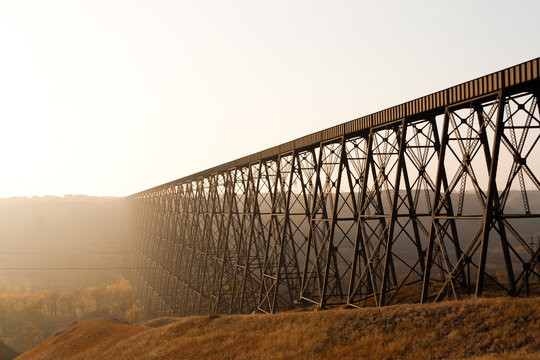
{"type": "Point", "coordinates": [437, 198]}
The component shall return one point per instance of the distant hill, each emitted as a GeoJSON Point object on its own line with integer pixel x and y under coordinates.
{"type": "Point", "coordinates": [71, 232]}
{"type": "Point", "coordinates": [500, 328]}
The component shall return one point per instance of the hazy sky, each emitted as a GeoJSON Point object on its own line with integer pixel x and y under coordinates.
{"type": "Point", "coordinates": [112, 97]}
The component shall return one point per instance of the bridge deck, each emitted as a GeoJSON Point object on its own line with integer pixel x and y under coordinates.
{"type": "Point", "coordinates": [510, 77]}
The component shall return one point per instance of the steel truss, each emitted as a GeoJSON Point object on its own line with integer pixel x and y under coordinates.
{"type": "Point", "coordinates": [435, 199]}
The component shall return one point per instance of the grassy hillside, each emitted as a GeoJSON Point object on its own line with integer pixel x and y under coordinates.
{"type": "Point", "coordinates": [472, 329]}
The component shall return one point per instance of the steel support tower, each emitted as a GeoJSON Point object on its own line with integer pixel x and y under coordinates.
{"type": "Point", "coordinates": [437, 198]}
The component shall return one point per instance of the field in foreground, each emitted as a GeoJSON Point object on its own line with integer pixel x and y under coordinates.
{"type": "Point", "coordinates": [478, 329]}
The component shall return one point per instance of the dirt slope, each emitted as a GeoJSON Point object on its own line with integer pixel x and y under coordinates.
{"type": "Point", "coordinates": [7, 353]}
{"type": "Point", "coordinates": [481, 329]}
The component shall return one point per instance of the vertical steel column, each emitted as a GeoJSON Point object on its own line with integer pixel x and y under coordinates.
{"type": "Point", "coordinates": [223, 256]}
{"type": "Point", "coordinates": [182, 237]}
{"type": "Point", "coordinates": [360, 246]}
{"type": "Point", "coordinates": [241, 266]}
{"type": "Point", "coordinates": [331, 250]}
{"type": "Point", "coordinates": [393, 215]}
{"type": "Point", "coordinates": [492, 212]}
{"type": "Point", "coordinates": [192, 243]}
{"type": "Point", "coordinates": [253, 270]}
{"type": "Point", "coordinates": [215, 247]}
{"type": "Point", "coordinates": [435, 208]}
{"type": "Point", "coordinates": [276, 238]}
{"type": "Point", "coordinates": [319, 204]}
{"type": "Point", "coordinates": [167, 253]}
{"type": "Point", "coordinates": [203, 276]}
{"type": "Point", "coordinates": [295, 248]}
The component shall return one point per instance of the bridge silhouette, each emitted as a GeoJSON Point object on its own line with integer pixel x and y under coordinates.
{"type": "Point", "coordinates": [437, 198]}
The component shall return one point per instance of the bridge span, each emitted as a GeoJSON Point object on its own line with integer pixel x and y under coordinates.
{"type": "Point", "coordinates": [437, 198]}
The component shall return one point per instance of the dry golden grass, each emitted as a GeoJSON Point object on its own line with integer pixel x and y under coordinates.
{"type": "Point", "coordinates": [508, 356]}
{"type": "Point", "coordinates": [485, 329]}
{"type": "Point", "coordinates": [83, 340]}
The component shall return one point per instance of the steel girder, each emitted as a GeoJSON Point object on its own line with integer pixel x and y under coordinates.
{"type": "Point", "coordinates": [441, 204]}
